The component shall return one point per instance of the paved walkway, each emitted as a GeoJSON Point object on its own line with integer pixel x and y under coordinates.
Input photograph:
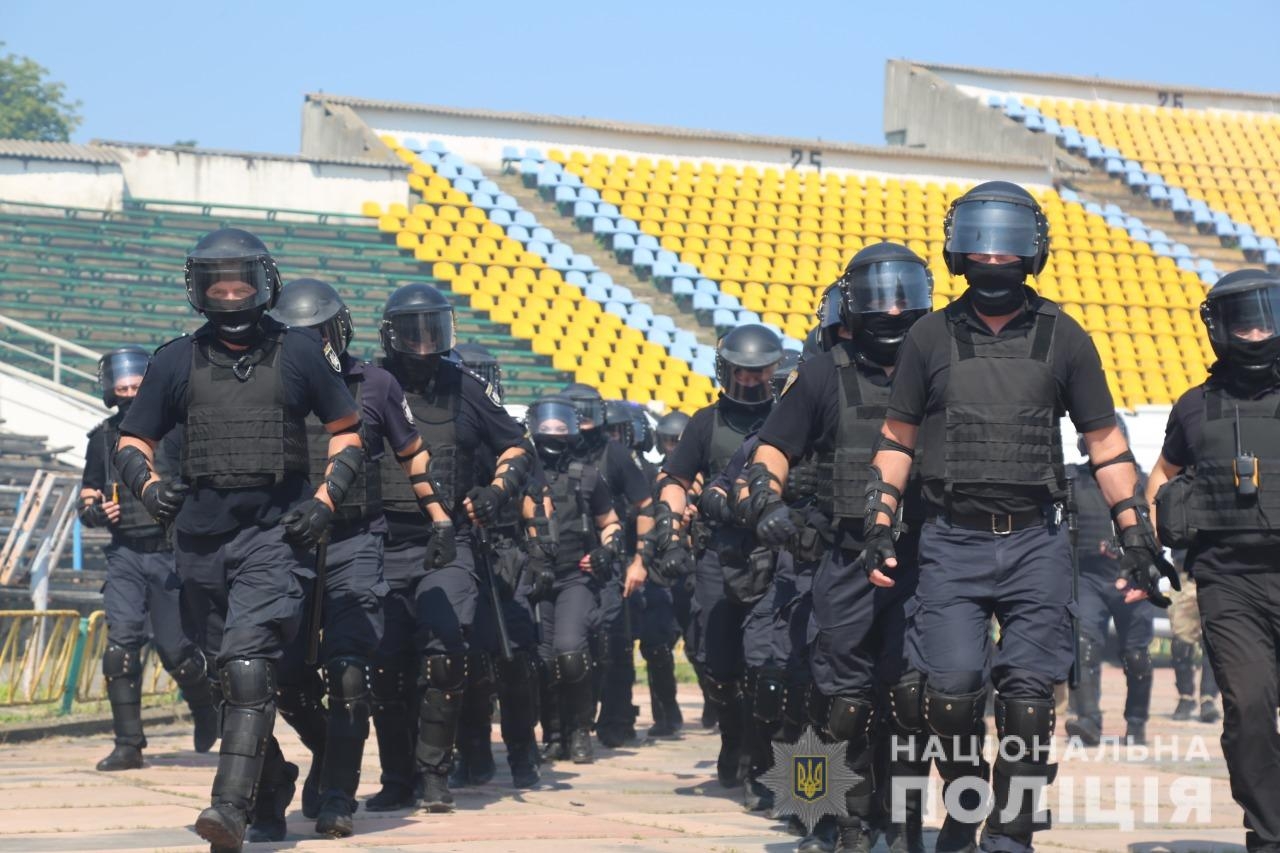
{"type": "Point", "coordinates": [654, 797]}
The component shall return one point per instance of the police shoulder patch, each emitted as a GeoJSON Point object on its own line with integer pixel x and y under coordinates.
{"type": "Point", "coordinates": [492, 394]}
{"type": "Point", "coordinates": [332, 357]}
{"type": "Point", "coordinates": [408, 412]}
{"type": "Point", "coordinates": [791, 380]}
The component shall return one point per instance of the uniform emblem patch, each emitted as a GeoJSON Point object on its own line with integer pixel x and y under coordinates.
{"type": "Point", "coordinates": [791, 380]}
{"type": "Point", "coordinates": [809, 778]}
{"type": "Point", "coordinates": [332, 357]}
{"type": "Point", "coordinates": [492, 394]}
{"type": "Point", "coordinates": [408, 413]}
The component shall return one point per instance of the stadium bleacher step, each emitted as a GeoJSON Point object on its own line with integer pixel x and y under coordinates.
{"type": "Point", "coordinates": [583, 243]}
{"type": "Point", "coordinates": [1104, 189]}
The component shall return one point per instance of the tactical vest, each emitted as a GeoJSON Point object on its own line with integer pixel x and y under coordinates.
{"type": "Point", "coordinates": [1000, 410]}
{"type": "Point", "coordinates": [239, 431]}
{"type": "Point", "coordinates": [452, 468]}
{"type": "Point", "coordinates": [725, 441]}
{"type": "Point", "coordinates": [364, 499]}
{"type": "Point", "coordinates": [843, 471]}
{"type": "Point", "coordinates": [1093, 517]}
{"type": "Point", "coordinates": [1215, 504]}
{"type": "Point", "coordinates": [135, 522]}
{"type": "Point", "coordinates": [570, 492]}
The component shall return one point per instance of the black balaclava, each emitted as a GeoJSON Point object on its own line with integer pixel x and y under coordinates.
{"type": "Point", "coordinates": [996, 289]}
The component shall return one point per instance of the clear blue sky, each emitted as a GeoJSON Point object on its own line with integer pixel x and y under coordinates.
{"type": "Point", "coordinates": [233, 74]}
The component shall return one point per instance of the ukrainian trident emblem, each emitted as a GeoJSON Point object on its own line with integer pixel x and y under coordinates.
{"type": "Point", "coordinates": [809, 779]}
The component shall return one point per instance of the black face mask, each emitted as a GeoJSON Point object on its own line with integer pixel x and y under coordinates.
{"type": "Point", "coordinates": [1252, 366]}
{"type": "Point", "coordinates": [415, 372]}
{"type": "Point", "coordinates": [238, 327]}
{"type": "Point", "coordinates": [996, 289]}
{"type": "Point", "coordinates": [123, 404]}
{"type": "Point", "coordinates": [552, 448]}
{"type": "Point", "coordinates": [882, 334]}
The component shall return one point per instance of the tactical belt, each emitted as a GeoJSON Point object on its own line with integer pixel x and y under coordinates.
{"type": "Point", "coordinates": [1002, 524]}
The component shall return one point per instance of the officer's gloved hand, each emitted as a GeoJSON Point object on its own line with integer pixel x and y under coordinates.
{"type": "Point", "coordinates": [602, 561]}
{"type": "Point", "coordinates": [1143, 564]}
{"type": "Point", "coordinates": [305, 524]}
{"type": "Point", "coordinates": [544, 581]}
{"type": "Point", "coordinates": [715, 508]}
{"type": "Point", "coordinates": [877, 549]}
{"type": "Point", "coordinates": [93, 515]}
{"type": "Point", "coordinates": [774, 527]}
{"type": "Point", "coordinates": [163, 499]}
{"type": "Point", "coordinates": [442, 547]}
{"type": "Point", "coordinates": [671, 564]}
{"type": "Point", "coordinates": [485, 503]}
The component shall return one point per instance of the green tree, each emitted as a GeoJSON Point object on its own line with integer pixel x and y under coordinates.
{"type": "Point", "coordinates": [32, 106]}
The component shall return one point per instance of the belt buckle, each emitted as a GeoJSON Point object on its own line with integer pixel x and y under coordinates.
{"type": "Point", "coordinates": [1008, 525]}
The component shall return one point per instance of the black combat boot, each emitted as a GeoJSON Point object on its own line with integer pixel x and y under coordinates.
{"type": "Point", "coordinates": [122, 668]}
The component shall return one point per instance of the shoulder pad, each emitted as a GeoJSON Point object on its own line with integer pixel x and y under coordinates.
{"type": "Point", "coordinates": [489, 390]}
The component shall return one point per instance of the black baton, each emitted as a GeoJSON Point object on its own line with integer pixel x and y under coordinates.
{"type": "Point", "coordinates": [486, 567]}
{"type": "Point", "coordinates": [317, 602]}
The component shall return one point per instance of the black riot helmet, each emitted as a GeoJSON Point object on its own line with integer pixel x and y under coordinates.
{"type": "Point", "coordinates": [1242, 314]}
{"type": "Point", "coordinates": [790, 361]}
{"type": "Point", "coordinates": [122, 369]}
{"type": "Point", "coordinates": [588, 403]}
{"type": "Point", "coordinates": [830, 317]}
{"type": "Point", "coordinates": [312, 304]}
{"type": "Point", "coordinates": [232, 280]}
{"type": "Point", "coordinates": [670, 428]}
{"type": "Point", "coordinates": [885, 288]}
{"type": "Point", "coordinates": [996, 218]}
{"type": "Point", "coordinates": [483, 363]}
{"type": "Point", "coordinates": [553, 425]}
{"type": "Point", "coordinates": [618, 422]}
{"type": "Point", "coordinates": [417, 323]}
{"type": "Point", "coordinates": [745, 360]}
{"type": "Point", "coordinates": [1120, 422]}
{"type": "Point", "coordinates": [641, 429]}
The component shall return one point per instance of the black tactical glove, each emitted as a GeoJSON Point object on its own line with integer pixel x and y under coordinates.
{"type": "Point", "coordinates": [604, 560]}
{"type": "Point", "coordinates": [442, 547]}
{"type": "Point", "coordinates": [670, 565]}
{"type": "Point", "coordinates": [163, 499]}
{"type": "Point", "coordinates": [305, 524]}
{"type": "Point", "coordinates": [93, 515]}
{"type": "Point", "coordinates": [544, 581]}
{"type": "Point", "coordinates": [1143, 564]}
{"type": "Point", "coordinates": [877, 548]}
{"type": "Point", "coordinates": [715, 507]}
{"type": "Point", "coordinates": [774, 527]}
{"type": "Point", "coordinates": [485, 503]}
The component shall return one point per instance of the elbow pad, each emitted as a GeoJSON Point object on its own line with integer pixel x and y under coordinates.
{"type": "Point", "coordinates": [344, 468]}
{"type": "Point", "coordinates": [513, 473]}
{"type": "Point", "coordinates": [134, 468]}
{"type": "Point", "coordinates": [883, 442]}
{"type": "Point", "coordinates": [1127, 456]}
{"type": "Point", "coordinates": [877, 490]}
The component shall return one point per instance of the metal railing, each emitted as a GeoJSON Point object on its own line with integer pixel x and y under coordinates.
{"type": "Point", "coordinates": [57, 361]}
{"type": "Point", "coordinates": [50, 657]}
{"type": "Point", "coordinates": [41, 527]}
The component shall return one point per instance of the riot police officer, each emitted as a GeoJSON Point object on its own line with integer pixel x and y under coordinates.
{"type": "Point", "coordinates": [978, 391]}
{"type": "Point", "coordinates": [745, 360]}
{"type": "Point", "coordinates": [353, 588]}
{"type": "Point", "coordinates": [514, 675]}
{"type": "Point", "coordinates": [1099, 603]}
{"type": "Point", "coordinates": [619, 611]}
{"type": "Point", "coordinates": [831, 416]}
{"type": "Point", "coordinates": [590, 548]}
{"type": "Point", "coordinates": [668, 431]}
{"type": "Point", "coordinates": [245, 516]}
{"type": "Point", "coordinates": [431, 609]}
{"type": "Point", "coordinates": [141, 583]}
{"type": "Point", "coordinates": [1225, 434]}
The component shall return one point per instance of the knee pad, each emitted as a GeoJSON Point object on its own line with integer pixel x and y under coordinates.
{"type": "Point", "coordinates": [850, 719]}
{"type": "Point", "coordinates": [301, 699]}
{"type": "Point", "coordinates": [391, 684]}
{"type": "Point", "coordinates": [480, 674]}
{"type": "Point", "coordinates": [768, 695]}
{"type": "Point", "coordinates": [1137, 663]}
{"type": "Point", "coordinates": [444, 672]}
{"type": "Point", "coordinates": [658, 656]}
{"type": "Point", "coordinates": [600, 649]}
{"type": "Point", "coordinates": [722, 693]}
{"type": "Point", "coordinates": [347, 679]}
{"type": "Point", "coordinates": [1182, 653]}
{"type": "Point", "coordinates": [954, 716]}
{"type": "Point", "coordinates": [906, 703]}
{"type": "Point", "coordinates": [520, 670]}
{"type": "Point", "coordinates": [121, 662]}
{"type": "Point", "coordinates": [191, 671]}
{"type": "Point", "coordinates": [1028, 721]}
{"type": "Point", "coordinates": [1091, 652]}
{"type": "Point", "coordinates": [248, 682]}
{"type": "Point", "coordinates": [571, 667]}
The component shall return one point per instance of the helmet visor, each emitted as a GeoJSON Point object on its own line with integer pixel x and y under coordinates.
{"type": "Point", "coordinates": [747, 385]}
{"type": "Point", "coordinates": [122, 372]}
{"type": "Point", "coordinates": [829, 309]}
{"type": "Point", "coordinates": [426, 333]}
{"type": "Point", "coordinates": [226, 286]}
{"type": "Point", "coordinates": [552, 418]}
{"type": "Point", "coordinates": [888, 287]}
{"type": "Point", "coordinates": [1251, 316]}
{"type": "Point", "coordinates": [590, 410]}
{"type": "Point", "coordinates": [993, 228]}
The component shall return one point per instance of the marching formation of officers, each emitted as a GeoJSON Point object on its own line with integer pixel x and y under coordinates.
{"type": "Point", "coordinates": [360, 543]}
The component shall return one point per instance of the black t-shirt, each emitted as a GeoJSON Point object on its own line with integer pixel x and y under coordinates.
{"type": "Point", "coordinates": [920, 383]}
{"type": "Point", "coordinates": [311, 384]}
{"type": "Point", "coordinates": [692, 456]}
{"type": "Point", "coordinates": [1181, 436]}
{"type": "Point", "coordinates": [385, 416]}
{"type": "Point", "coordinates": [623, 475]}
{"type": "Point", "coordinates": [806, 417]}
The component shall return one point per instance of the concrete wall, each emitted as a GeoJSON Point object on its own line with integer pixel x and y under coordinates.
{"type": "Point", "coordinates": [31, 408]}
{"type": "Point", "coordinates": [480, 136]}
{"type": "Point", "coordinates": [95, 185]}
{"type": "Point", "coordinates": [923, 110]}
{"type": "Point", "coordinates": [233, 178]}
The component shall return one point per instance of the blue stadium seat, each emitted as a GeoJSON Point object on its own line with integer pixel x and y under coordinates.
{"type": "Point", "coordinates": [664, 322]}
{"type": "Point", "coordinates": [1158, 193]}
{"type": "Point", "coordinates": [1052, 127]}
{"type": "Point", "coordinates": [1180, 250]}
{"type": "Point", "coordinates": [534, 154]}
{"type": "Point", "coordinates": [657, 335]}
{"type": "Point", "coordinates": [623, 294]}
{"type": "Point", "coordinates": [1271, 257]}
{"type": "Point", "coordinates": [792, 345]}
{"type": "Point", "coordinates": [525, 218]}
{"type": "Point", "coordinates": [1157, 234]}
{"type": "Point", "coordinates": [636, 321]}
{"type": "Point", "coordinates": [680, 351]}
{"type": "Point", "coordinates": [561, 250]}
{"type": "Point", "coordinates": [518, 232]}
{"type": "Point", "coordinates": [544, 234]}
{"type": "Point", "coordinates": [1114, 166]}
{"type": "Point", "coordinates": [583, 262]}
{"type": "Point", "coordinates": [576, 277]}
{"type": "Point", "coordinates": [564, 196]}
{"type": "Point", "coordinates": [538, 248]}
{"type": "Point", "coordinates": [648, 241]}
{"type": "Point", "coordinates": [509, 153]}
{"type": "Point", "coordinates": [602, 225]}
{"type": "Point", "coordinates": [684, 338]}
{"type": "Point", "coordinates": [450, 171]}
{"type": "Point", "coordinates": [413, 143]}
{"type": "Point", "coordinates": [642, 260]}
{"type": "Point", "coordinates": [500, 217]}
{"type": "Point", "coordinates": [616, 308]}
{"type": "Point", "coordinates": [1135, 179]}
{"type": "Point", "coordinates": [437, 146]}
{"type": "Point", "coordinates": [626, 226]}
{"type": "Point", "coordinates": [641, 310]}
{"type": "Point", "coordinates": [1139, 234]}
{"type": "Point", "coordinates": [588, 194]}
{"type": "Point", "coordinates": [1161, 249]}
{"type": "Point", "coordinates": [681, 288]}
{"type": "Point", "coordinates": [1092, 149]}
{"type": "Point", "coordinates": [1034, 122]}
{"type": "Point", "coordinates": [482, 201]}
{"type": "Point", "coordinates": [623, 242]}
